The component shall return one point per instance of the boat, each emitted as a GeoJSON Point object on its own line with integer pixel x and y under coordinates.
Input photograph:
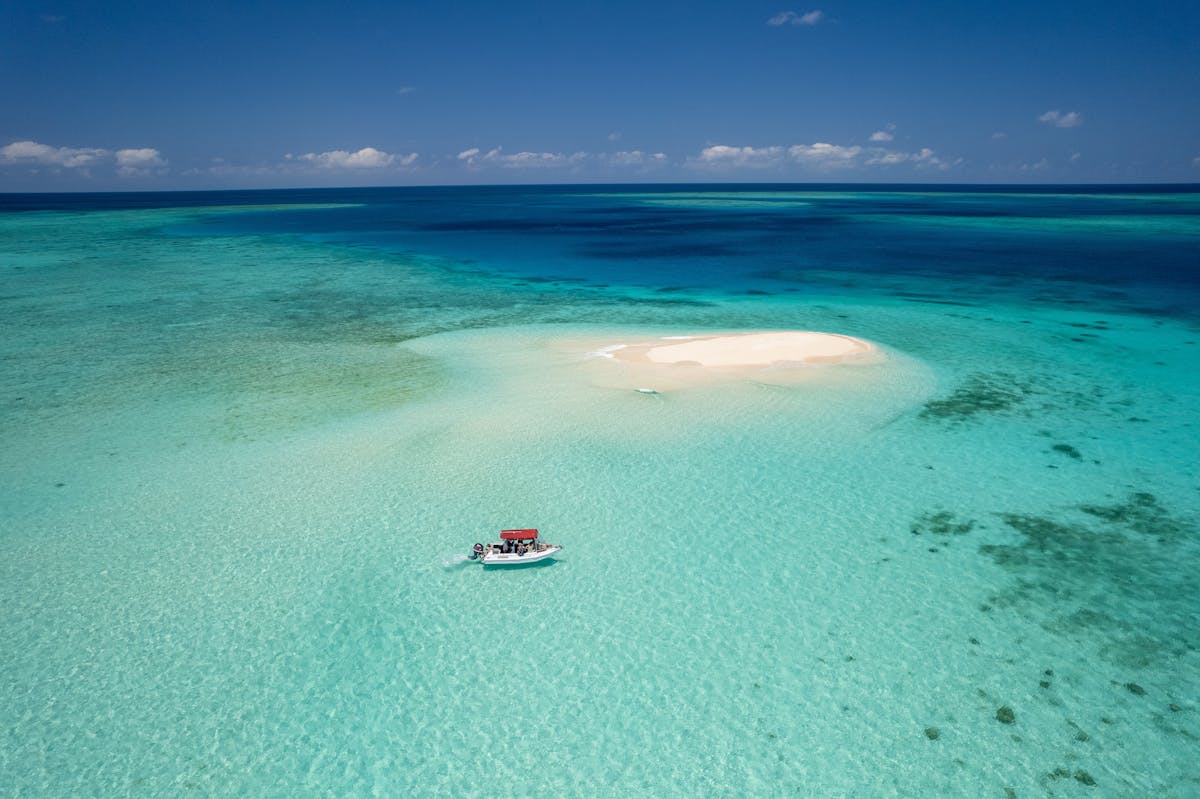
{"type": "Point", "coordinates": [515, 548]}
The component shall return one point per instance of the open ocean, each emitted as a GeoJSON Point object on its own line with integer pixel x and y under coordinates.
{"type": "Point", "coordinates": [248, 438]}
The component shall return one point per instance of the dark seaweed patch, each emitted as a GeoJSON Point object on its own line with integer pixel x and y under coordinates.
{"type": "Point", "coordinates": [979, 393]}
{"type": "Point", "coordinates": [1046, 542]}
{"type": "Point", "coordinates": [942, 522]}
{"type": "Point", "coordinates": [1068, 450]}
{"type": "Point", "coordinates": [1141, 513]}
{"type": "Point", "coordinates": [1096, 583]}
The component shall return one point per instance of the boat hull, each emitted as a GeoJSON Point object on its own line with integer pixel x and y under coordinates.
{"type": "Point", "coordinates": [513, 559]}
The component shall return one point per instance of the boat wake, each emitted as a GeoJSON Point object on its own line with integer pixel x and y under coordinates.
{"type": "Point", "coordinates": [455, 561]}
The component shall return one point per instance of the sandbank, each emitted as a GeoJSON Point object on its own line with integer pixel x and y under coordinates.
{"type": "Point", "coordinates": [780, 356]}
{"type": "Point", "coordinates": [749, 349]}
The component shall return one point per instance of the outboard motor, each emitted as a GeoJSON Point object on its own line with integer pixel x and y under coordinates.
{"type": "Point", "coordinates": [477, 551]}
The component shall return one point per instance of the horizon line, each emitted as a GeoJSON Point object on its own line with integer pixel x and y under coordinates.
{"type": "Point", "coordinates": [642, 184]}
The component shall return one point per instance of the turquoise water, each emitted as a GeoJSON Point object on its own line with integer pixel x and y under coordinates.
{"type": "Point", "coordinates": [246, 448]}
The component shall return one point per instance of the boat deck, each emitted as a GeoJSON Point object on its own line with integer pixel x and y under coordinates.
{"type": "Point", "coordinates": [494, 557]}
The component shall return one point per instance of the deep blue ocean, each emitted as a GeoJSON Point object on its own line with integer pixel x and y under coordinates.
{"type": "Point", "coordinates": [247, 439]}
{"type": "Point", "coordinates": [749, 238]}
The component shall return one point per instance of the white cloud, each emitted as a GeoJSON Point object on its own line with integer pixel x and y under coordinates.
{"type": "Point", "coordinates": [881, 135]}
{"type": "Point", "coordinates": [144, 156]}
{"type": "Point", "coordinates": [31, 152]}
{"type": "Point", "coordinates": [472, 156]}
{"type": "Point", "coordinates": [792, 18]}
{"type": "Point", "coordinates": [999, 135]}
{"type": "Point", "coordinates": [823, 155]}
{"type": "Point", "coordinates": [722, 155]}
{"type": "Point", "coordinates": [131, 162]}
{"type": "Point", "coordinates": [366, 158]}
{"type": "Point", "coordinates": [887, 158]}
{"type": "Point", "coordinates": [1196, 161]}
{"type": "Point", "coordinates": [927, 158]}
{"type": "Point", "coordinates": [1075, 157]}
{"type": "Point", "coordinates": [634, 158]}
{"type": "Point", "coordinates": [406, 90]}
{"type": "Point", "coordinates": [614, 136]}
{"type": "Point", "coordinates": [140, 161]}
{"type": "Point", "coordinates": [537, 160]}
{"type": "Point", "coordinates": [522, 160]}
{"type": "Point", "coordinates": [819, 156]}
{"type": "Point", "coordinates": [1071, 119]}
{"type": "Point", "coordinates": [923, 158]}
{"type": "Point", "coordinates": [526, 159]}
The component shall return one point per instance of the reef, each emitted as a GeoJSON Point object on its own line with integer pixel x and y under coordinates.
{"type": "Point", "coordinates": [979, 393]}
{"type": "Point", "coordinates": [1080, 775]}
{"type": "Point", "coordinates": [1068, 450]}
{"type": "Point", "coordinates": [1141, 513]}
{"type": "Point", "coordinates": [1005, 715]}
{"type": "Point", "coordinates": [1097, 571]}
{"type": "Point", "coordinates": [942, 522]}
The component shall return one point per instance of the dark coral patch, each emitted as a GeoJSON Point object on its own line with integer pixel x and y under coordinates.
{"type": "Point", "coordinates": [1141, 513]}
{"type": "Point", "coordinates": [979, 393]}
{"type": "Point", "coordinates": [1100, 580]}
{"type": "Point", "coordinates": [942, 522]}
{"type": "Point", "coordinates": [1068, 450]}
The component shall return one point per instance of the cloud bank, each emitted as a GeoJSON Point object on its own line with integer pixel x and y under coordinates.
{"type": "Point", "coordinates": [366, 158]}
{"type": "Point", "coordinates": [31, 152]}
{"type": "Point", "coordinates": [818, 157]}
{"type": "Point", "coordinates": [135, 162]}
{"type": "Point", "coordinates": [475, 158]}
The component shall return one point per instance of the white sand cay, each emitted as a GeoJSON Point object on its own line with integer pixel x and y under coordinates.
{"type": "Point", "coordinates": [781, 357]}
{"type": "Point", "coordinates": [751, 349]}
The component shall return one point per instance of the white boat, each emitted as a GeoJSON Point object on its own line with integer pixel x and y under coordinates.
{"type": "Point", "coordinates": [515, 548]}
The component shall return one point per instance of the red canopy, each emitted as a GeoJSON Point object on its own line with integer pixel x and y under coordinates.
{"type": "Point", "coordinates": [518, 535]}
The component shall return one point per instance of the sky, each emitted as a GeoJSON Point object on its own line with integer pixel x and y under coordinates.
{"type": "Point", "coordinates": [115, 95]}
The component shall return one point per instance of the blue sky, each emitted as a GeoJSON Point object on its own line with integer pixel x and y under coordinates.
{"type": "Point", "coordinates": [169, 95]}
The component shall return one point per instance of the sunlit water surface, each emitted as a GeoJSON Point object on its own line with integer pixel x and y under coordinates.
{"type": "Point", "coordinates": [248, 440]}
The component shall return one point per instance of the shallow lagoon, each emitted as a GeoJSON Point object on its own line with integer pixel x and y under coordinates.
{"type": "Point", "coordinates": [246, 447]}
